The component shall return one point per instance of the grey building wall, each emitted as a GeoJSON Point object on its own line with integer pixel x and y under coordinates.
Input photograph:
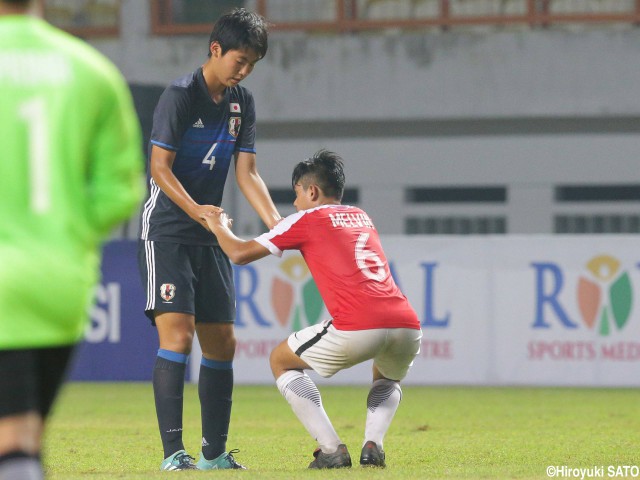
{"type": "Point", "coordinates": [527, 110]}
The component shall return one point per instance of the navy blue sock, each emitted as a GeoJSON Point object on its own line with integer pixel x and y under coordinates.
{"type": "Point", "coordinates": [168, 390]}
{"type": "Point", "coordinates": [215, 389]}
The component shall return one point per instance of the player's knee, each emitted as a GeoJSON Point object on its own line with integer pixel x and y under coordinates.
{"type": "Point", "coordinates": [180, 342]}
{"type": "Point", "coordinates": [21, 433]}
{"type": "Point", "coordinates": [219, 347]}
{"type": "Point", "coordinates": [273, 361]}
{"type": "Point", "coordinates": [186, 340]}
{"type": "Point", "coordinates": [227, 341]}
{"type": "Point", "coordinates": [230, 346]}
{"type": "Point", "coordinates": [276, 360]}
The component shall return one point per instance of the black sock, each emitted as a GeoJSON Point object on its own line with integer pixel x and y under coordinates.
{"type": "Point", "coordinates": [168, 389]}
{"type": "Point", "coordinates": [215, 389]}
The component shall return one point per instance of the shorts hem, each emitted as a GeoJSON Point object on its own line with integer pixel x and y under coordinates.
{"type": "Point", "coordinates": [150, 314]}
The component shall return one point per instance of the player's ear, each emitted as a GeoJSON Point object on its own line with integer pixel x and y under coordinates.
{"type": "Point", "coordinates": [215, 49]}
{"type": "Point", "coordinates": [314, 192]}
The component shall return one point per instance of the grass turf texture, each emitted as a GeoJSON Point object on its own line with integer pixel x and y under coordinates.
{"type": "Point", "coordinates": [108, 430]}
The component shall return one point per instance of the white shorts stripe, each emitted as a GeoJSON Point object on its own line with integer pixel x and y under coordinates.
{"type": "Point", "coordinates": [151, 274]}
{"type": "Point", "coordinates": [149, 205]}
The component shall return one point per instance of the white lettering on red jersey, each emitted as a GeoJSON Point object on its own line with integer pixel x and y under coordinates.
{"type": "Point", "coordinates": [343, 252]}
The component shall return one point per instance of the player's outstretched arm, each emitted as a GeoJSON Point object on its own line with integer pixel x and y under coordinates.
{"type": "Point", "coordinates": [239, 251]}
{"type": "Point", "coordinates": [162, 173]}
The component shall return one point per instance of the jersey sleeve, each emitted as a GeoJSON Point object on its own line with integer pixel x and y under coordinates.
{"type": "Point", "coordinates": [116, 181]}
{"type": "Point", "coordinates": [247, 136]}
{"type": "Point", "coordinates": [170, 118]}
{"type": "Point", "coordinates": [289, 234]}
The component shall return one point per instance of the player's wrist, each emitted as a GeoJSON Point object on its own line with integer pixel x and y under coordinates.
{"type": "Point", "coordinates": [193, 210]}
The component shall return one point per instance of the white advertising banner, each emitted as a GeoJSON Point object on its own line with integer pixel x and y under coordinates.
{"type": "Point", "coordinates": [565, 311]}
{"type": "Point", "coordinates": [507, 310]}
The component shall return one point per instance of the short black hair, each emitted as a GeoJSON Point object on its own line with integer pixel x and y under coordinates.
{"type": "Point", "coordinates": [325, 169]}
{"type": "Point", "coordinates": [241, 29]}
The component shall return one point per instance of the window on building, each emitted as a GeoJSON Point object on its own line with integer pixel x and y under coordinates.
{"type": "Point", "coordinates": [596, 224]}
{"type": "Point", "coordinates": [597, 193]}
{"type": "Point", "coordinates": [303, 11]}
{"type": "Point", "coordinates": [185, 16]}
{"type": "Point", "coordinates": [282, 196]}
{"type": "Point", "coordinates": [188, 16]}
{"type": "Point", "coordinates": [456, 225]}
{"type": "Point", "coordinates": [470, 194]}
{"type": "Point", "coordinates": [285, 196]}
{"type": "Point", "coordinates": [85, 18]}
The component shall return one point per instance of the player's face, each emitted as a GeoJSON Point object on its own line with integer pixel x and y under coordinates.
{"type": "Point", "coordinates": [234, 66]}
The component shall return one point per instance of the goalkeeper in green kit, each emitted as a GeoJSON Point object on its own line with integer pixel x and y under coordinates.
{"type": "Point", "coordinates": [71, 170]}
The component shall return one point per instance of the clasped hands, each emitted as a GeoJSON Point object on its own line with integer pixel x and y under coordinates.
{"type": "Point", "coordinates": [215, 217]}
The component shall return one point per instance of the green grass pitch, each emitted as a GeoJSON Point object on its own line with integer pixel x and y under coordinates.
{"type": "Point", "coordinates": [109, 431]}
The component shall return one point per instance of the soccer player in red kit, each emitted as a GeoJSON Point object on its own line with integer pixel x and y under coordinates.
{"type": "Point", "coordinates": [371, 318]}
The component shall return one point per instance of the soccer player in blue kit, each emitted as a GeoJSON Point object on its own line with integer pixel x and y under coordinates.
{"type": "Point", "coordinates": [202, 121]}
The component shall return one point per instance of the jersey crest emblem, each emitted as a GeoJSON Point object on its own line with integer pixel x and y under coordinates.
{"type": "Point", "coordinates": [167, 291]}
{"type": "Point", "coordinates": [234, 126]}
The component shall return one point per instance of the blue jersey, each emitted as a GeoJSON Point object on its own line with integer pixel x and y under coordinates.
{"type": "Point", "coordinates": [205, 137]}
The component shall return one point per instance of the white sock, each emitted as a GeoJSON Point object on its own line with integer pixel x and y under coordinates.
{"type": "Point", "coordinates": [303, 396]}
{"type": "Point", "coordinates": [21, 468]}
{"type": "Point", "coordinates": [382, 403]}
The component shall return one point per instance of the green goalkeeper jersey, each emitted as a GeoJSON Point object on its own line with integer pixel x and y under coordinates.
{"type": "Point", "coordinates": [71, 169]}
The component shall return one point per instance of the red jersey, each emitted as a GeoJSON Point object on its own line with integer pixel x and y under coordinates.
{"type": "Point", "coordinates": [342, 249]}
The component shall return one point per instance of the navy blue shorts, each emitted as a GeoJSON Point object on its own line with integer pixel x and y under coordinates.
{"type": "Point", "coordinates": [193, 279]}
{"type": "Point", "coordinates": [31, 379]}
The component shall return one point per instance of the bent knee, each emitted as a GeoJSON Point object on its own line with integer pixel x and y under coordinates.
{"type": "Point", "coordinates": [282, 358]}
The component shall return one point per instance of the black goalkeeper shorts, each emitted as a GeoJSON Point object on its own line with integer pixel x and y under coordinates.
{"type": "Point", "coordinates": [31, 378]}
